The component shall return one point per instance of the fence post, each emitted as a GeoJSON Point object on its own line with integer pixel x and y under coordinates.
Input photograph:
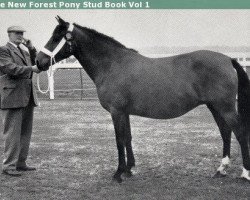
{"type": "Point", "coordinates": [81, 83]}
{"type": "Point", "coordinates": [51, 84]}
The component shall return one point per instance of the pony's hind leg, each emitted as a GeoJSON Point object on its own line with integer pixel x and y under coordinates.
{"type": "Point", "coordinates": [226, 137]}
{"type": "Point", "coordinates": [246, 169]}
{"type": "Point", "coordinates": [229, 114]}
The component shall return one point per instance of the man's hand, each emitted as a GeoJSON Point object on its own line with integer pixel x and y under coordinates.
{"type": "Point", "coordinates": [35, 69]}
{"type": "Point", "coordinates": [28, 43]}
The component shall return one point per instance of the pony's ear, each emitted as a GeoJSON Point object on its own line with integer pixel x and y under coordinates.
{"type": "Point", "coordinates": [60, 20]}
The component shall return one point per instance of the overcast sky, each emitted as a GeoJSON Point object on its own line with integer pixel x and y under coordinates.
{"type": "Point", "coordinates": [139, 28]}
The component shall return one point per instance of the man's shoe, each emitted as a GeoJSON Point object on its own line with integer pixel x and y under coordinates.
{"type": "Point", "coordinates": [11, 172]}
{"type": "Point", "coordinates": [26, 168]}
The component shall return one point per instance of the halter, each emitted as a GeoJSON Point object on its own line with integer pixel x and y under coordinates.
{"type": "Point", "coordinates": [53, 53]}
{"type": "Point", "coordinates": [67, 38]}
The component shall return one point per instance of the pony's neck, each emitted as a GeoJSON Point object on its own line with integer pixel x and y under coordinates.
{"type": "Point", "coordinates": [94, 64]}
{"type": "Point", "coordinates": [96, 57]}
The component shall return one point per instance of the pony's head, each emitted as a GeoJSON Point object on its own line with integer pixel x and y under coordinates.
{"type": "Point", "coordinates": [59, 46]}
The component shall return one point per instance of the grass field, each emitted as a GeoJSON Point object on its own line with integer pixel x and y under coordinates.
{"type": "Point", "coordinates": [73, 147]}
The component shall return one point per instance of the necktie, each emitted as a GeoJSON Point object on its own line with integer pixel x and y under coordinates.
{"type": "Point", "coordinates": [21, 51]}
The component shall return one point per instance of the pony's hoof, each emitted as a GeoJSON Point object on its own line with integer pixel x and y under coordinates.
{"type": "Point", "coordinates": [245, 179]}
{"type": "Point", "coordinates": [128, 174]}
{"type": "Point", "coordinates": [117, 178]}
{"type": "Point", "coordinates": [245, 175]}
{"type": "Point", "coordinates": [220, 174]}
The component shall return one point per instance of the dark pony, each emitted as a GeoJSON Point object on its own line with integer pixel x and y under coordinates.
{"type": "Point", "coordinates": [162, 88]}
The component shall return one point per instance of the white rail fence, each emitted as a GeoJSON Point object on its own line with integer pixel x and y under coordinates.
{"type": "Point", "coordinates": [84, 85]}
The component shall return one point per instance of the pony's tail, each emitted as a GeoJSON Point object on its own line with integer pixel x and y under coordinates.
{"type": "Point", "coordinates": [243, 95]}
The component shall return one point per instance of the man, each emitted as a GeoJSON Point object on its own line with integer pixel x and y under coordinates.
{"type": "Point", "coordinates": [17, 100]}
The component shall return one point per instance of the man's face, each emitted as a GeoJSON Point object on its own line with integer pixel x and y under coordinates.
{"type": "Point", "coordinates": [16, 37]}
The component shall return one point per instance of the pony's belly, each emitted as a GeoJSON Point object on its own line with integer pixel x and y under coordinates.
{"type": "Point", "coordinates": [163, 112]}
{"type": "Point", "coordinates": [157, 115]}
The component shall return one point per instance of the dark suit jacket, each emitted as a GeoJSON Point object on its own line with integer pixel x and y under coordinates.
{"type": "Point", "coordinates": [16, 86]}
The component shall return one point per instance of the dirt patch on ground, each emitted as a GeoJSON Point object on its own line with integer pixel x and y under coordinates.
{"type": "Point", "coordinates": [73, 147]}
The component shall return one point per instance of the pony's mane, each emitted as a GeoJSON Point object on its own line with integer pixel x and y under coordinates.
{"type": "Point", "coordinates": [102, 36]}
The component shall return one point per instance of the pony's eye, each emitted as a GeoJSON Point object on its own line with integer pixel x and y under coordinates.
{"type": "Point", "coordinates": [68, 36]}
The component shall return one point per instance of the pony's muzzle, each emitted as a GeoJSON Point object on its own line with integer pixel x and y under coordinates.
{"type": "Point", "coordinates": [37, 64]}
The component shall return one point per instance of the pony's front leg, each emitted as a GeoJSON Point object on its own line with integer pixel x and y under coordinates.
{"type": "Point", "coordinates": [129, 149]}
{"type": "Point", "coordinates": [119, 120]}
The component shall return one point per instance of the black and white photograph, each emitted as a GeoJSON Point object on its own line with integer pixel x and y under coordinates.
{"type": "Point", "coordinates": [128, 104]}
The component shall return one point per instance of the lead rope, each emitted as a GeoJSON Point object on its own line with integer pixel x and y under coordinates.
{"type": "Point", "coordinates": [49, 74]}
{"type": "Point", "coordinates": [38, 84]}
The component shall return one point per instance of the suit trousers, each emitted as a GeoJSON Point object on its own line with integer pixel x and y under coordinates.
{"type": "Point", "coordinates": [17, 130]}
